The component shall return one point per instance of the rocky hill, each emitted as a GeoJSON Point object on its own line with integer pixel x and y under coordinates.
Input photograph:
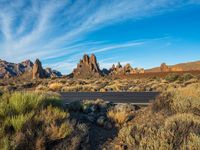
{"type": "Point", "coordinates": [87, 67]}
{"type": "Point", "coordinates": [26, 68]}
{"type": "Point", "coordinates": [190, 66]}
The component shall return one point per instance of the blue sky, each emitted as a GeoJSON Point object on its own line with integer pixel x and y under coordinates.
{"type": "Point", "coordinates": [144, 33]}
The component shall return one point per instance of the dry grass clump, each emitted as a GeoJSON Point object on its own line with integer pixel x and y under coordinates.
{"type": "Point", "coordinates": [120, 113]}
{"type": "Point", "coordinates": [55, 86]}
{"type": "Point", "coordinates": [186, 99]}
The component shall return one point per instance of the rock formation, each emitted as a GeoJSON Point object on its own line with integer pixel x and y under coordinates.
{"type": "Point", "coordinates": [126, 70]}
{"type": "Point", "coordinates": [38, 71]}
{"type": "Point", "coordinates": [87, 67]}
{"type": "Point", "coordinates": [25, 69]}
{"type": "Point", "coordinates": [166, 68]}
{"type": "Point", "coordinates": [52, 73]}
{"type": "Point", "coordinates": [8, 69]}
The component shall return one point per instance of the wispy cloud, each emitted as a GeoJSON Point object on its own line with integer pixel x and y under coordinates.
{"type": "Point", "coordinates": [51, 29]}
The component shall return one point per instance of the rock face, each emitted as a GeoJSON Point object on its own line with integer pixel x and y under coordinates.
{"type": "Point", "coordinates": [166, 68]}
{"type": "Point", "coordinates": [8, 69]}
{"type": "Point", "coordinates": [126, 70]}
{"type": "Point", "coordinates": [38, 71]}
{"type": "Point", "coordinates": [52, 73]}
{"type": "Point", "coordinates": [87, 67]}
{"type": "Point", "coordinates": [27, 68]}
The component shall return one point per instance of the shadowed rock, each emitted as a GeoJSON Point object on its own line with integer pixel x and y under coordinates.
{"type": "Point", "coordinates": [38, 71]}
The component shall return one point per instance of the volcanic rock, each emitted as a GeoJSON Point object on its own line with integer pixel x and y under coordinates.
{"type": "Point", "coordinates": [126, 70]}
{"type": "Point", "coordinates": [38, 71]}
{"type": "Point", "coordinates": [166, 68]}
{"type": "Point", "coordinates": [8, 69]}
{"type": "Point", "coordinates": [26, 69]}
{"type": "Point", "coordinates": [52, 73]}
{"type": "Point", "coordinates": [87, 67]}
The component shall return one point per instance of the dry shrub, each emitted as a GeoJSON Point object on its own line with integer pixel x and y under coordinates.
{"type": "Point", "coordinates": [117, 116]}
{"type": "Point", "coordinates": [186, 99]}
{"type": "Point", "coordinates": [55, 132]}
{"type": "Point", "coordinates": [120, 113]}
{"type": "Point", "coordinates": [52, 114]}
{"type": "Point", "coordinates": [180, 131]}
{"type": "Point", "coordinates": [55, 86]}
{"type": "Point", "coordinates": [193, 142]}
{"type": "Point", "coordinates": [162, 102]}
{"type": "Point", "coordinates": [40, 143]}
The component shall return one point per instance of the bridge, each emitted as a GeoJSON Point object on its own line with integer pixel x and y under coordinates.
{"type": "Point", "coordinates": [136, 98]}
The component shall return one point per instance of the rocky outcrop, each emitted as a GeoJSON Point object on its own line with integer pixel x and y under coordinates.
{"type": "Point", "coordinates": [87, 67]}
{"type": "Point", "coordinates": [126, 70]}
{"type": "Point", "coordinates": [52, 73]}
{"type": "Point", "coordinates": [26, 69]}
{"type": "Point", "coordinates": [38, 71]}
{"type": "Point", "coordinates": [8, 69]}
{"type": "Point", "coordinates": [166, 68]}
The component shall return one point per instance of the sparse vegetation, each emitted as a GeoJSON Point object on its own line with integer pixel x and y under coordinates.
{"type": "Point", "coordinates": [172, 77]}
{"type": "Point", "coordinates": [171, 122]}
{"type": "Point", "coordinates": [32, 116]}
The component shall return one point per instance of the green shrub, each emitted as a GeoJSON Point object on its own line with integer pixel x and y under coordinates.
{"type": "Point", "coordinates": [24, 102]}
{"type": "Point", "coordinates": [172, 77]}
{"type": "Point", "coordinates": [32, 120]}
{"type": "Point", "coordinates": [186, 77]}
{"type": "Point", "coordinates": [17, 122]}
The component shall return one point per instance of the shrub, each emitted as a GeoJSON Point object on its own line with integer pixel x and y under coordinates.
{"type": "Point", "coordinates": [55, 86]}
{"type": "Point", "coordinates": [186, 99]}
{"type": "Point", "coordinates": [117, 116]}
{"type": "Point", "coordinates": [31, 119]}
{"type": "Point", "coordinates": [55, 132]}
{"type": "Point", "coordinates": [172, 77]}
{"type": "Point", "coordinates": [17, 122]}
{"type": "Point", "coordinates": [52, 114]}
{"type": "Point", "coordinates": [23, 102]}
{"type": "Point", "coordinates": [186, 77]}
{"type": "Point", "coordinates": [120, 113]}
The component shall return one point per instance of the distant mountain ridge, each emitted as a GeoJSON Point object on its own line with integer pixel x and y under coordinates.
{"type": "Point", "coordinates": [86, 68]}
{"type": "Point", "coordinates": [188, 66]}
{"type": "Point", "coordinates": [8, 70]}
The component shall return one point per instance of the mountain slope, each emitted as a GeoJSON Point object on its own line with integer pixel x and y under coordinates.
{"type": "Point", "coordinates": [190, 66]}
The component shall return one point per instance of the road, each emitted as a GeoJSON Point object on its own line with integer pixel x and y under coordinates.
{"type": "Point", "coordinates": [140, 98]}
